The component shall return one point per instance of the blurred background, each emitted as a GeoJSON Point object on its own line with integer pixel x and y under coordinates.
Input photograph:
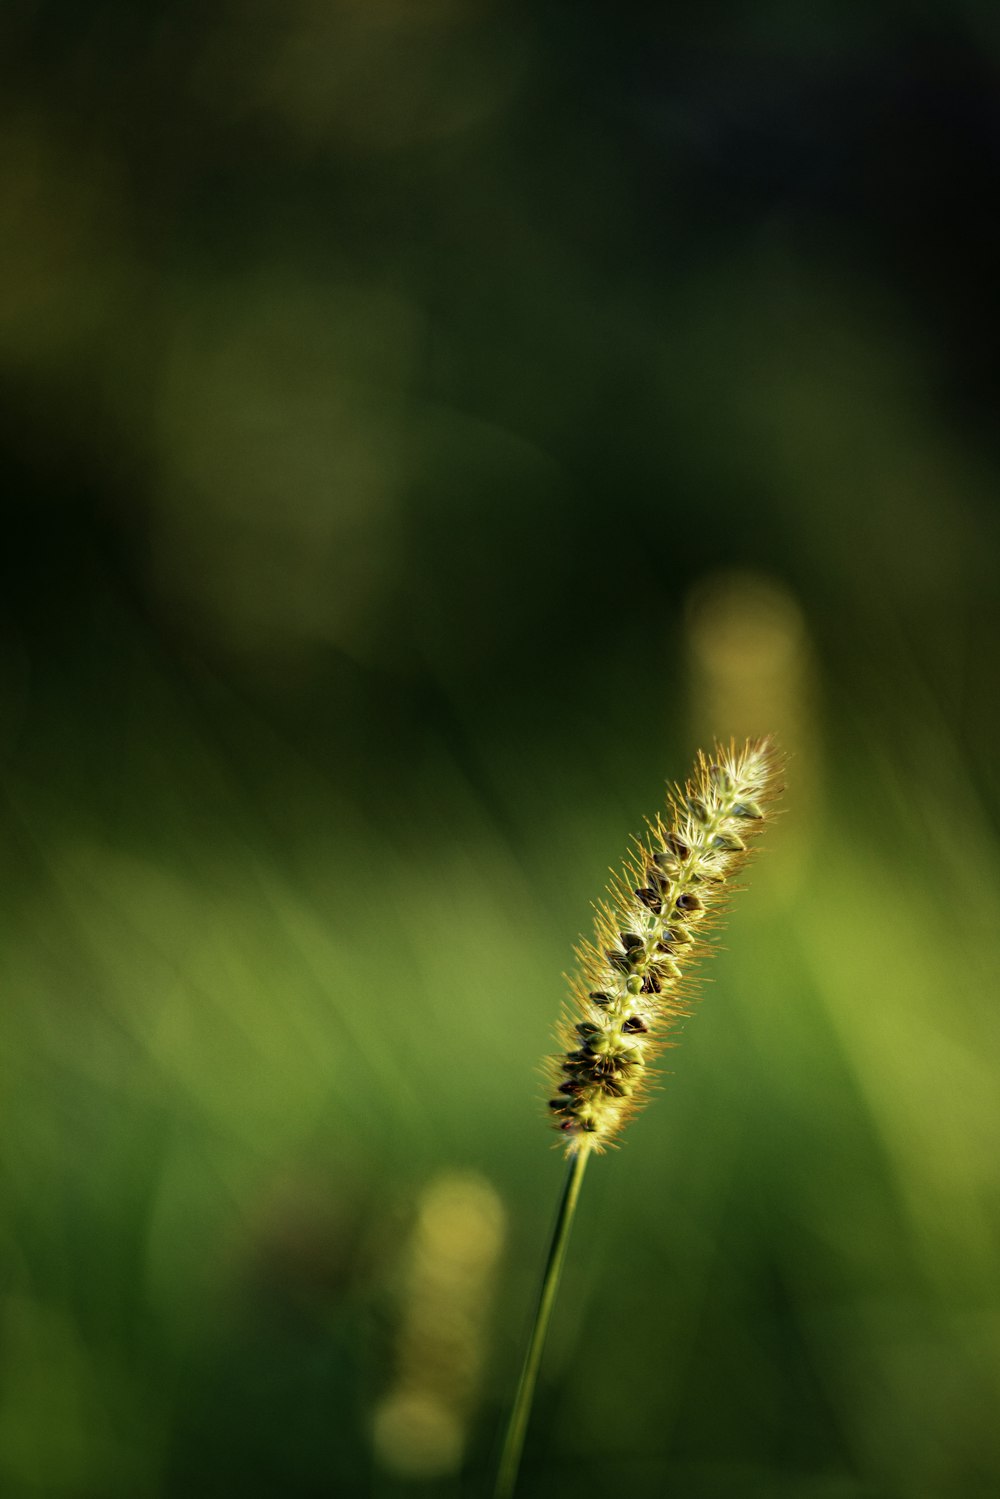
{"type": "Point", "coordinates": [424, 424]}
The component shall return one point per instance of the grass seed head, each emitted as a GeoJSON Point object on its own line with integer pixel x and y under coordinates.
{"type": "Point", "coordinates": [633, 981]}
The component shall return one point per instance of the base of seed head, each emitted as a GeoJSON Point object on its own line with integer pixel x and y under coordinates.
{"type": "Point", "coordinates": [633, 980]}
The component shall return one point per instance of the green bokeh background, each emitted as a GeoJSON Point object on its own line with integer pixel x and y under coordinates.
{"type": "Point", "coordinates": [425, 422]}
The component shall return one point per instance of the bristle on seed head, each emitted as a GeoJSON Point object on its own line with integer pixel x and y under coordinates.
{"type": "Point", "coordinates": [631, 983]}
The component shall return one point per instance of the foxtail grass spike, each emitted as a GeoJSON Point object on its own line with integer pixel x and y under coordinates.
{"type": "Point", "coordinates": [632, 983]}
{"type": "Point", "coordinates": [634, 980]}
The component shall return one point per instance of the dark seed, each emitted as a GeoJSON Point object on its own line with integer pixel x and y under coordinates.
{"type": "Point", "coordinates": [590, 1077]}
{"type": "Point", "coordinates": [688, 902]}
{"type": "Point", "coordinates": [676, 845]}
{"type": "Point", "coordinates": [672, 937]}
{"type": "Point", "coordinates": [571, 1085]}
{"type": "Point", "coordinates": [616, 1067]}
{"type": "Point", "coordinates": [613, 1089]}
{"type": "Point", "coordinates": [599, 997]}
{"type": "Point", "coordinates": [729, 842]}
{"type": "Point", "coordinates": [635, 1026]}
{"type": "Point", "coordinates": [697, 808]}
{"type": "Point", "coordinates": [651, 900]}
{"type": "Point", "coordinates": [618, 961]}
{"type": "Point", "coordinates": [630, 941]}
{"type": "Point", "coordinates": [651, 985]}
{"type": "Point", "coordinates": [587, 1028]}
{"type": "Point", "coordinates": [559, 1105]}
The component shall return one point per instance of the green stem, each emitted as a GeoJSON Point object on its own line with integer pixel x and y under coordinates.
{"type": "Point", "coordinates": [510, 1459]}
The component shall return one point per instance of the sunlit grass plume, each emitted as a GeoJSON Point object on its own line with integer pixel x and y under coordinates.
{"type": "Point", "coordinates": [633, 982]}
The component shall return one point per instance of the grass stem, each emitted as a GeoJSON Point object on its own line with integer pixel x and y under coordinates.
{"type": "Point", "coordinates": [510, 1459]}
